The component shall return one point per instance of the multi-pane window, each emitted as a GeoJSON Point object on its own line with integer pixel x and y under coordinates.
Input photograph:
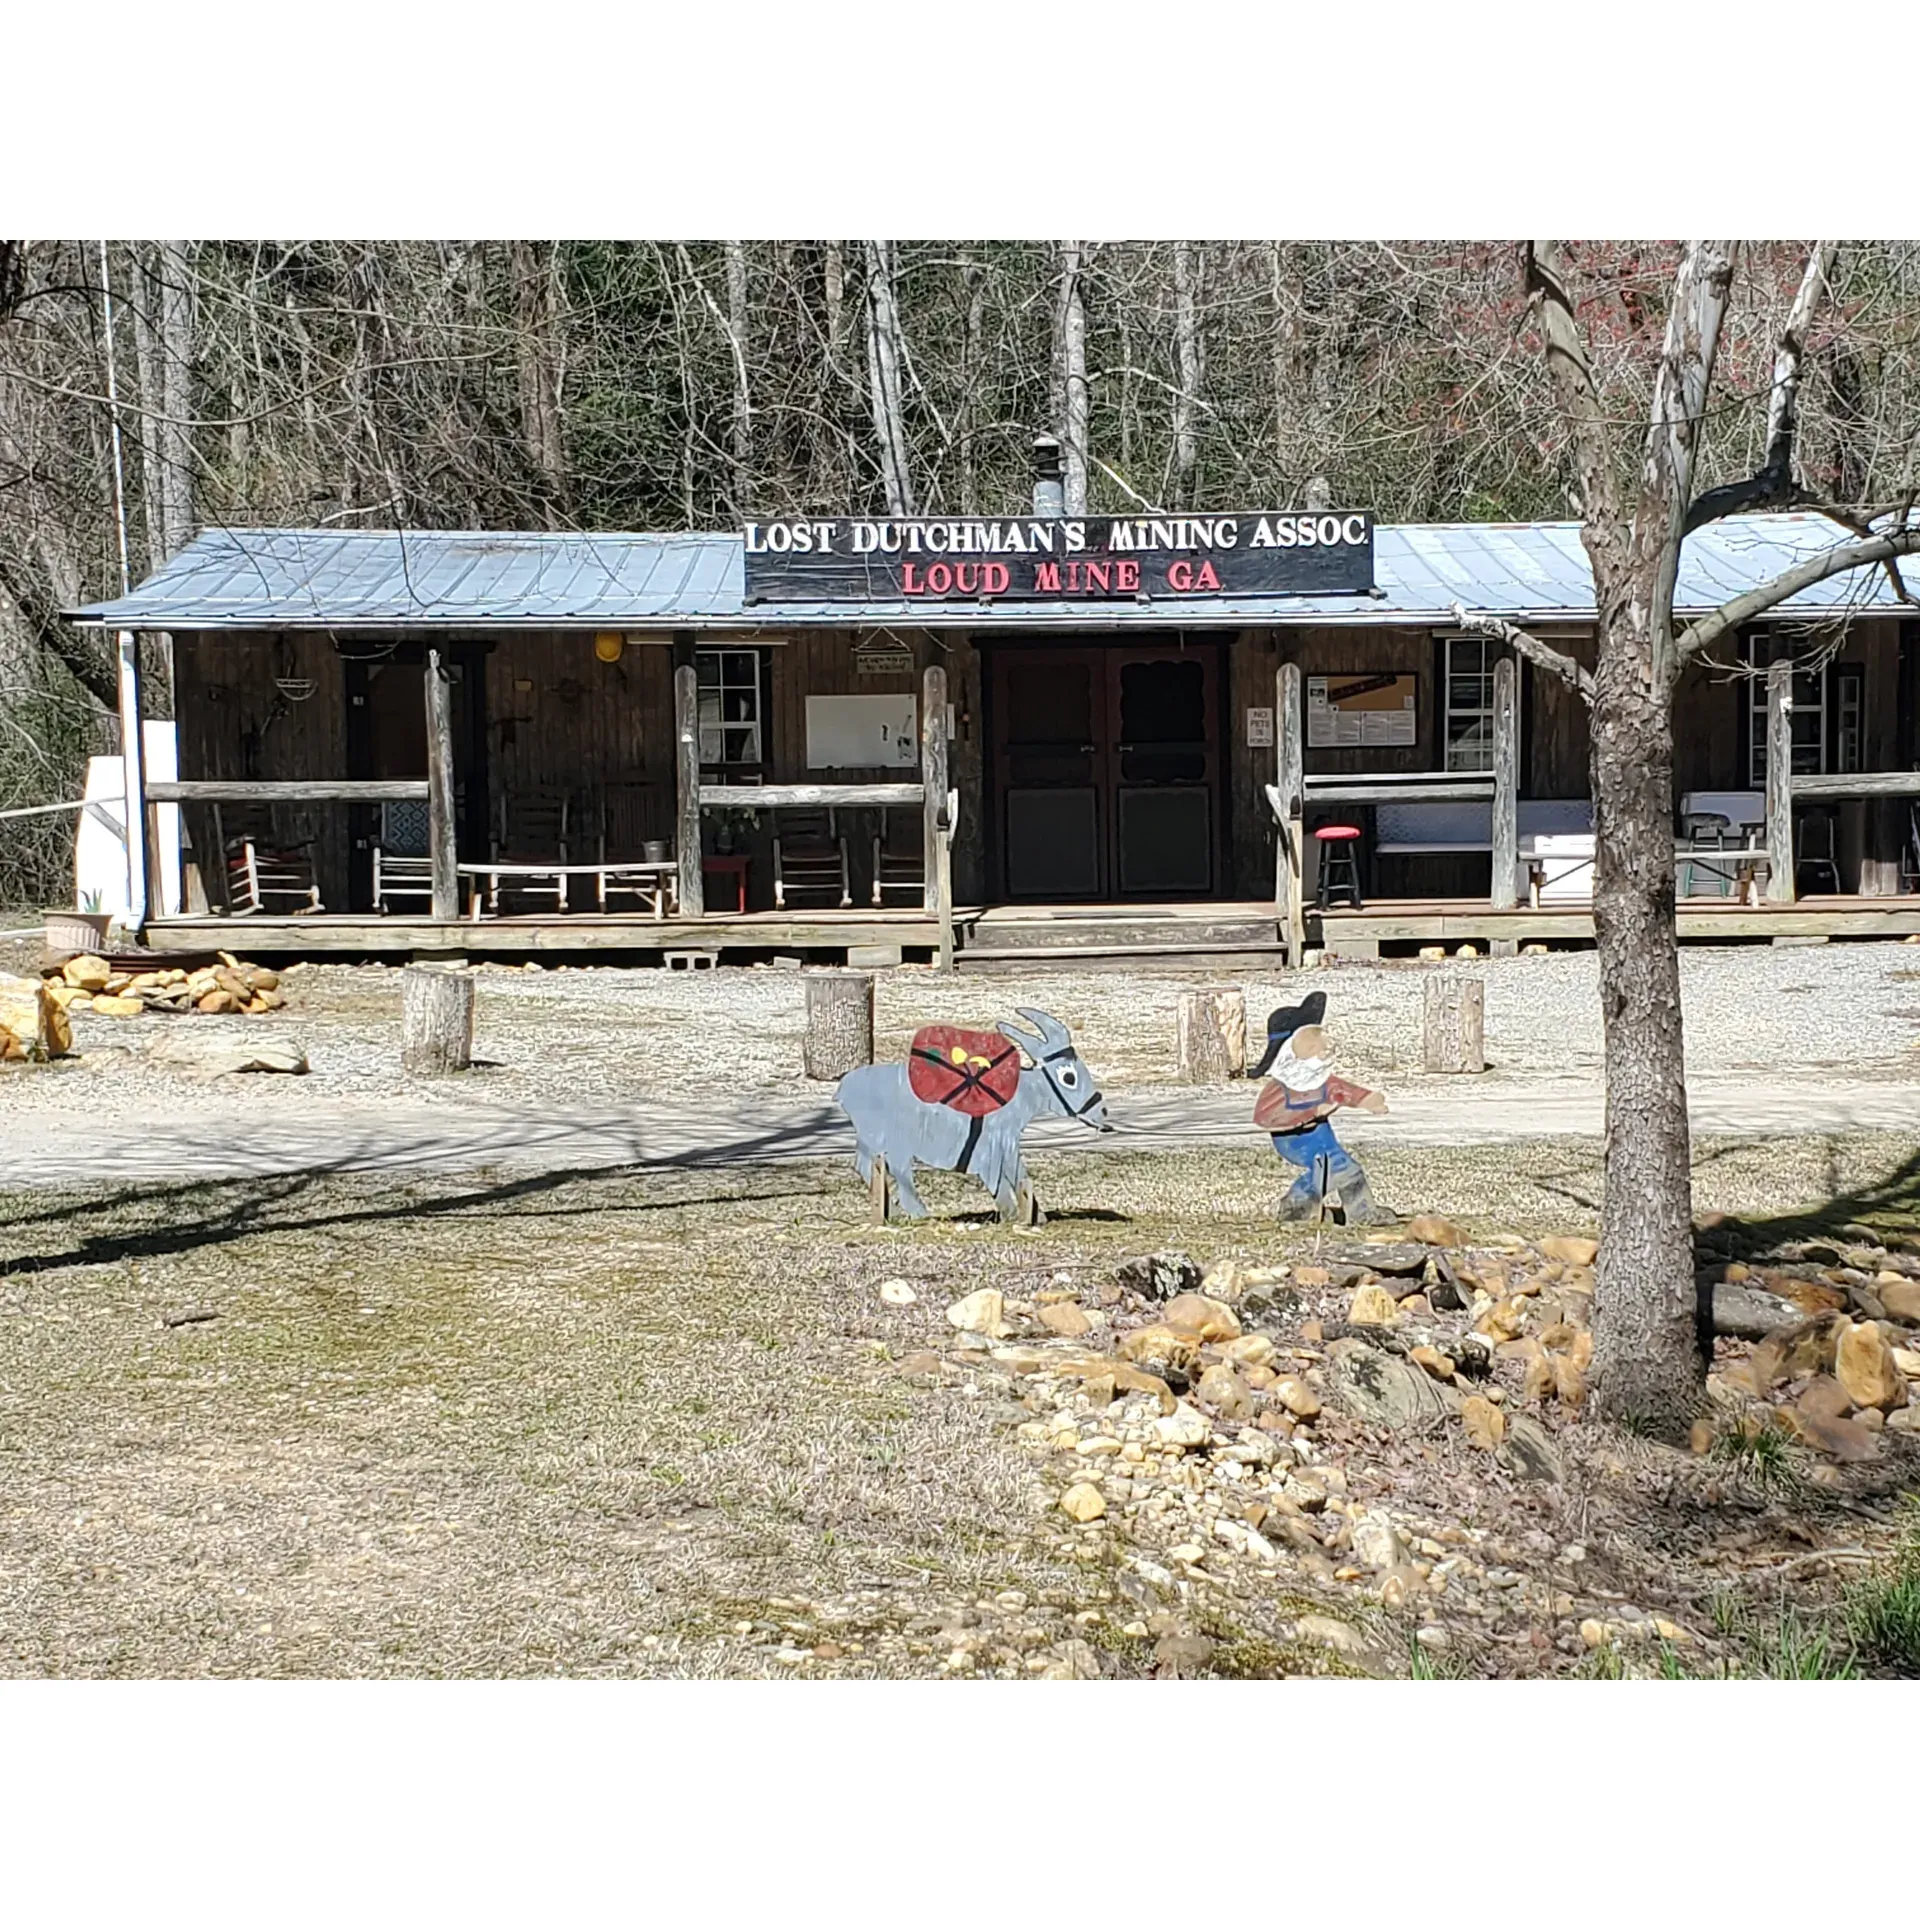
{"type": "Point", "coordinates": [1467, 707]}
{"type": "Point", "coordinates": [1809, 718]}
{"type": "Point", "coordinates": [731, 715]}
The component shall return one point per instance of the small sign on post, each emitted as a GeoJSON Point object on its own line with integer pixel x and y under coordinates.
{"type": "Point", "coordinates": [1259, 726]}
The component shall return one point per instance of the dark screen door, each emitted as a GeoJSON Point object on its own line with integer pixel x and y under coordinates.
{"type": "Point", "coordinates": [1106, 764]}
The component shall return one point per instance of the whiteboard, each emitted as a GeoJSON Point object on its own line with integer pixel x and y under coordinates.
{"type": "Point", "coordinates": [862, 730]}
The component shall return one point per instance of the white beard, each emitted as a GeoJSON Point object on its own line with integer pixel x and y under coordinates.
{"type": "Point", "coordinates": [1297, 1075]}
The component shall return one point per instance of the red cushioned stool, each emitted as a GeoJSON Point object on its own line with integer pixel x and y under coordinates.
{"type": "Point", "coordinates": [1339, 866]}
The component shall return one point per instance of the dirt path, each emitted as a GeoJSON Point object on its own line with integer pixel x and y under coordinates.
{"type": "Point", "coordinates": [397, 1135]}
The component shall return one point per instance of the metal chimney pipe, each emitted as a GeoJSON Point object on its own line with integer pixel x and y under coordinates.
{"type": "Point", "coordinates": [1049, 478]}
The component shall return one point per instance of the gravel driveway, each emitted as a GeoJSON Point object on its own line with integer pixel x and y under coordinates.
{"type": "Point", "coordinates": [591, 1036]}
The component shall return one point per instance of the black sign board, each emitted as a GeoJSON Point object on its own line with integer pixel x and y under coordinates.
{"type": "Point", "coordinates": [1150, 557]}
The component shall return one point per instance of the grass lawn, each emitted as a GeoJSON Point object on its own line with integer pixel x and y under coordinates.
{"type": "Point", "coordinates": [588, 1424]}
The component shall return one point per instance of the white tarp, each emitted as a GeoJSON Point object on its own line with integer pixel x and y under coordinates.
{"type": "Point", "coordinates": [100, 847]}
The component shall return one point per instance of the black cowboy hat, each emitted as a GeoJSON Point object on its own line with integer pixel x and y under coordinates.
{"type": "Point", "coordinates": [1283, 1021]}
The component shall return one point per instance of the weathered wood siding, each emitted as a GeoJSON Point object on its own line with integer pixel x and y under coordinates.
{"type": "Point", "coordinates": [235, 724]}
{"type": "Point", "coordinates": [558, 717]}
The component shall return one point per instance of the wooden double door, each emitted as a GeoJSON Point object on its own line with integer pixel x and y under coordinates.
{"type": "Point", "coordinates": [1106, 769]}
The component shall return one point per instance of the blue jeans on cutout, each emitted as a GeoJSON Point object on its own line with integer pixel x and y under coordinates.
{"type": "Point", "coordinates": [1303, 1150]}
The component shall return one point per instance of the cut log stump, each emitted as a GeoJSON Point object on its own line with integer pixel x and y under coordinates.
{"type": "Point", "coordinates": [1213, 1036]}
{"type": "Point", "coordinates": [839, 1024]}
{"type": "Point", "coordinates": [436, 1019]}
{"type": "Point", "coordinates": [1455, 1024]}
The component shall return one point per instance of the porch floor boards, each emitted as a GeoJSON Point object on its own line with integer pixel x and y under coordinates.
{"type": "Point", "coordinates": [408, 933]}
{"type": "Point", "coordinates": [1229, 932]}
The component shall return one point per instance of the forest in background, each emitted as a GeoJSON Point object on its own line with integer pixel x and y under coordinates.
{"type": "Point", "coordinates": [662, 385]}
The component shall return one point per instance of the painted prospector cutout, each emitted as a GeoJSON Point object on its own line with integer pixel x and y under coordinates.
{"type": "Point", "coordinates": [1296, 1108]}
{"type": "Point", "coordinates": [961, 1103]}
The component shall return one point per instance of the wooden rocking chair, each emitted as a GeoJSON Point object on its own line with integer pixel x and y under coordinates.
{"type": "Point", "coordinates": [271, 879]}
{"type": "Point", "coordinates": [810, 858]}
{"type": "Point", "coordinates": [900, 871]}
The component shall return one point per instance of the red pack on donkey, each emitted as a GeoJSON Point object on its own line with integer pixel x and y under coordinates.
{"type": "Point", "coordinates": [962, 1102]}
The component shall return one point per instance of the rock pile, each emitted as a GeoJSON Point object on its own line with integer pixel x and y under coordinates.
{"type": "Point", "coordinates": [1834, 1360]}
{"type": "Point", "coordinates": [1384, 1422]}
{"type": "Point", "coordinates": [90, 981]}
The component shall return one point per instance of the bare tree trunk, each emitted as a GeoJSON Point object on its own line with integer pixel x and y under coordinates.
{"type": "Point", "coordinates": [1070, 382]}
{"type": "Point", "coordinates": [153, 403]}
{"type": "Point", "coordinates": [1189, 351]}
{"type": "Point", "coordinates": [965, 423]}
{"type": "Point", "coordinates": [883, 376]}
{"type": "Point", "coordinates": [537, 356]}
{"type": "Point", "coordinates": [1648, 1362]}
{"type": "Point", "coordinates": [737, 324]}
{"type": "Point", "coordinates": [176, 377]}
{"type": "Point", "coordinates": [1649, 1353]}
{"type": "Point", "coordinates": [835, 482]}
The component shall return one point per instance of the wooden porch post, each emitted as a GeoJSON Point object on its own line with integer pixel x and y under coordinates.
{"type": "Point", "coordinates": [1780, 781]}
{"type": "Point", "coordinates": [442, 818]}
{"type": "Point", "coordinates": [133, 765]}
{"type": "Point", "coordinates": [936, 840]}
{"type": "Point", "coordinates": [1290, 782]}
{"type": "Point", "coordinates": [1506, 781]}
{"type": "Point", "coordinates": [686, 775]}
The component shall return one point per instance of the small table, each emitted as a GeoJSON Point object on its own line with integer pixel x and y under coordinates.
{"type": "Point", "coordinates": [655, 880]}
{"type": "Point", "coordinates": [734, 864]}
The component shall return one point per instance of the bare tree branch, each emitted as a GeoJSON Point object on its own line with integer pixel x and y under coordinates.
{"type": "Point", "coordinates": [1529, 646]}
{"type": "Point", "coordinates": [1551, 296]}
{"type": "Point", "coordinates": [1681, 384]}
{"type": "Point", "coordinates": [1882, 548]}
{"type": "Point", "coordinates": [1774, 486]}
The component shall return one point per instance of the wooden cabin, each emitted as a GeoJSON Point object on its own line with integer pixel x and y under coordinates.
{"type": "Point", "coordinates": [537, 742]}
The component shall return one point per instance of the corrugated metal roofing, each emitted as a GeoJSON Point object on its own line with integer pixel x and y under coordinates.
{"type": "Point", "coordinates": [256, 577]}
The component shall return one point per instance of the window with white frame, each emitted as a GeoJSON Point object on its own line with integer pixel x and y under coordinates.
{"type": "Point", "coordinates": [732, 706]}
{"type": "Point", "coordinates": [1467, 703]}
{"type": "Point", "coordinates": [1814, 686]}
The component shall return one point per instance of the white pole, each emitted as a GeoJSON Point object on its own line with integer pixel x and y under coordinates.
{"type": "Point", "coordinates": [133, 763]}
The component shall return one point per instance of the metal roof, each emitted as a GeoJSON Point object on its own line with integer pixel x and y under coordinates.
{"type": "Point", "coordinates": [279, 577]}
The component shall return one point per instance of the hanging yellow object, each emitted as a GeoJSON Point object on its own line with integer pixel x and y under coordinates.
{"type": "Point", "coordinates": [609, 646]}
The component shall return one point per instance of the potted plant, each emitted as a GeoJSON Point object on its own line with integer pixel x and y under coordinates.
{"type": "Point", "coordinates": [82, 931]}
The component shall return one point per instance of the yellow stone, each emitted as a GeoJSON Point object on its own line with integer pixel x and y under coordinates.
{"type": "Point", "coordinates": [1433, 1360]}
{"type": "Point", "coordinates": [1083, 1503]}
{"type": "Point", "coordinates": [1569, 1251]}
{"type": "Point", "coordinates": [1863, 1364]}
{"type": "Point", "coordinates": [117, 1006]}
{"type": "Point", "coordinates": [980, 1312]}
{"type": "Point", "coordinates": [1158, 1347]}
{"type": "Point", "coordinates": [1435, 1230]}
{"type": "Point", "coordinates": [1373, 1306]}
{"type": "Point", "coordinates": [1201, 1319]}
{"type": "Point", "coordinates": [1297, 1397]}
{"type": "Point", "coordinates": [1486, 1425]}
{"type": "Point", "coordinates": [1250, 1350]}
{"type": "Point", "coordinates": [1066, 1319]}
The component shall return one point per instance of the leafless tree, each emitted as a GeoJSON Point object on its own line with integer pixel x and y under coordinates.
{"type": "Point", "coordinates": [1638, 501]}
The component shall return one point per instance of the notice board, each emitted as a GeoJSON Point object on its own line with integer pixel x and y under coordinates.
{"type": "Point", "coordinates": [1363, 710]}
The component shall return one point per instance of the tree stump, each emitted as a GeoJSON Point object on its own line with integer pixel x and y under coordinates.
{"type": "Point", "coordinates": [1455, 1025]}
{"type": "Point", "coordinates": [436, 1019]}
{"type": "Point", "coordinates": [1213, 1035]}
{"type": "Point", "coordinates": [839, 1024]}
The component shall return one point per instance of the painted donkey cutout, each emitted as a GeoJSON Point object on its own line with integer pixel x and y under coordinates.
{"type": "Point", "coordinates": [961, 1104]}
